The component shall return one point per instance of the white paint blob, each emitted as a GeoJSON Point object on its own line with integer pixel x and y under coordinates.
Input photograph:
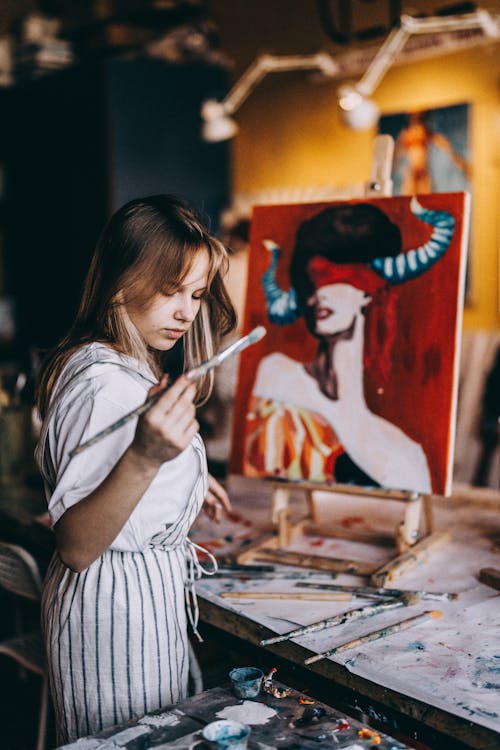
{"type": "Point", "coordinates": [248, 712]}
{"type": "Point", "coordinates": [167, 719]}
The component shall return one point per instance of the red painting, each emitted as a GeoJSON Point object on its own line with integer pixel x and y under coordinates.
{"type": "Point", "coordinates": [356, 379]}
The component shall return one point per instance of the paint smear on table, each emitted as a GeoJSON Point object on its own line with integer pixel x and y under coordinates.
{"type": "Point", "coordinates": [248, 712]}
{"type": "Point", "coordinates": [416, 646]}
{"type": "Point", "coordinates": [167, 719]}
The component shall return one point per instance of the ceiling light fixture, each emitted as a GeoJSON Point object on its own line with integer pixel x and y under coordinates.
{"type": "Point", "coordinates": [357, 109]}
{"type": "Point", "coordinates": [218, 124]}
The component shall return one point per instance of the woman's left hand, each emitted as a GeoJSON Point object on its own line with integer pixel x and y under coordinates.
{"type": "Point", "coordinates": [216, 501]}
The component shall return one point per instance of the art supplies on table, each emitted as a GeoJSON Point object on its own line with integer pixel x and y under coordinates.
{"type": "Point", "coordinates": [344, 617]}
{"type": "Point", "coordinates": [380, 593]}
{"type": "Point", "coordinates": [377, 634]}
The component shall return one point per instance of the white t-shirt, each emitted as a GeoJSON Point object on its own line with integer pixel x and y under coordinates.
{"type": "Point", "coordinates": [103, 393]}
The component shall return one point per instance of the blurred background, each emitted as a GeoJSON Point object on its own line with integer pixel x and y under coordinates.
{"type": "Point", "coordinates": [102, 102]}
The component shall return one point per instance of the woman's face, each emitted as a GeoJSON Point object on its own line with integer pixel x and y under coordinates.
{"type": "Point", "coordinates": [167, 317]}
{"type": "Point", "coordinates": [335, 306]}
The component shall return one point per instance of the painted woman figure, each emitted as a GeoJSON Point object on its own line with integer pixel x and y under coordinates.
{"type": "Point", "coordinates": [312, 421]}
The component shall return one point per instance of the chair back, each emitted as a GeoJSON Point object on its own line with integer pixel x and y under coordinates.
{"type": "Point", "coordinates": [19, 572]}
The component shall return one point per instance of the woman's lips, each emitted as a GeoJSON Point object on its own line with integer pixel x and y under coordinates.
{"type": "Point", "coordinates": [323, 312]}
{"type": "Point", "coordinates": [173, 333]}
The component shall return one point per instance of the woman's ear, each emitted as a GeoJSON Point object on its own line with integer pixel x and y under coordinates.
{"type": "Point", "coordinates": [367, 298]}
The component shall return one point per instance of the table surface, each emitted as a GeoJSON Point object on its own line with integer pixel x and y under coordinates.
{"type": "Point", "coordinates": [274, 723]}
{"type": "Point", "coordinates": [444, 675]}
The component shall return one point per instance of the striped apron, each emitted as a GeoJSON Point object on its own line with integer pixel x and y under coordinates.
{"type": "Point", "coordinates": [116, 633]}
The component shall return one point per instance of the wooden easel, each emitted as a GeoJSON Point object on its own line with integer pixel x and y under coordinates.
{"type": "Point", "coordinates": [414, 536]}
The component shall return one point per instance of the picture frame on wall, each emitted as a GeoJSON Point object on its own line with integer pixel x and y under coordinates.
{"type": "Point", "coordinates": [432, 154]}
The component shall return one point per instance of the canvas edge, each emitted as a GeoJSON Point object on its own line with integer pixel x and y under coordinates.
{"type": "Point", "coordinates": [464, 243]}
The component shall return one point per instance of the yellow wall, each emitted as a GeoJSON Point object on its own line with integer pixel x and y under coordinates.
{"type": "Point", "coordinates": [290, 134]}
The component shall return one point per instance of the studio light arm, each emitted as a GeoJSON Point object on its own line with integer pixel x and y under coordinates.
{"type": "Point", "coordinates": [219, 126]}
{"type": "Point", "coordinates": [358, 111]}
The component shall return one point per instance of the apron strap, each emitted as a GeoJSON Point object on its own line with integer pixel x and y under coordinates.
{"type": "Point", "coordinates": [195, 570]}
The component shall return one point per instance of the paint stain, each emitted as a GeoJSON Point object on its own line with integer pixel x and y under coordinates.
{"type": "Point", "coordinates": [248, 712]}
{"type": "Point", "coordinates": [317, 542]}
{"type": "Point", "coordinates": [168, 719]}
{"type": "Point", "coordinates": [369, 734]}
{"type": "Point", "coordinates": [487, 672]}
{"type": "Point", "coordinates": [416, 646]}
{"type": "Point", "coordinates": [350, 521]}
{"type": "Point", "coordinates": [478, 711]}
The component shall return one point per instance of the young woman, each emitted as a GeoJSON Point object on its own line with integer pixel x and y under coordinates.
{"type": "Point", "coordinates": [113, 606]}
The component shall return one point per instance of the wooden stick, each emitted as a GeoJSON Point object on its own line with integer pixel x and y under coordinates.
{"type": "Point", "coordinates": [380, 182]}
{"type": "Point", "coordinates": [408, 560]}
{"type": "Point", "coordinates": [341, 619]}
{"type": "Point", "coordinates": [396, 628]}
{"type": "Point", "coordinates": [408, 532]}
{"type": "Point", "coordinates": [321, 596]}
{"type": "Point", "coordinates": [315, 561]}
{"type": "Point", "coordinates": [371, 591]}
{"type": "Point", "coordinates": [344, 489]}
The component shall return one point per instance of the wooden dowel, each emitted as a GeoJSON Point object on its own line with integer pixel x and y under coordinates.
{"type": "Point", "coordinates": [320, 596]}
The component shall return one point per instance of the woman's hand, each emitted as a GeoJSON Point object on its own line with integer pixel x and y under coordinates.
{"type": "Point", "coordinates": [169, 426]}
{"type": "Point", "coordinates": [216, 501]}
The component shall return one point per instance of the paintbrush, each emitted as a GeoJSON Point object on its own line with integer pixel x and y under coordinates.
{"type": "Point", "coordinates": [194, 374]}
{"type": "Point", "coordinates": [343, 617]}
{"type": "Point", "coordinates": [267, 574]}
{"type": "Point", "coordinates": [382, 633]}
{"type": "Point", "coordinates": [379, 593]}
{"type": "Point", "coordinates": [239, 569]}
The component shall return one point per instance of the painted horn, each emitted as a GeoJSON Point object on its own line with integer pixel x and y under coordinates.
{"type": "Point", "coordinates": [414, 262]}
{"type": "Point", "coordinates": [282, 307]}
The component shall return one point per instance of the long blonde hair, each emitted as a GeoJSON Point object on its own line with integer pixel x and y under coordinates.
{"type": "Point", "coordinates": [147, 247]}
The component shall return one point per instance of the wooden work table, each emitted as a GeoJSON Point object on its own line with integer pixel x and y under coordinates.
{"type": "Point", "coordinates": [275, 722]}
{"type": "Point", "coordinates": [414, 683]}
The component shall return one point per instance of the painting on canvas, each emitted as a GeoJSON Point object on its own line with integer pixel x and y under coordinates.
{"type": "Point", "coordinates": [356, 379]}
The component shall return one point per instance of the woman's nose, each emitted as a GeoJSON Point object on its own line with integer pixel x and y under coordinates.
{"type": "Point", "coordinates": [185, 308]}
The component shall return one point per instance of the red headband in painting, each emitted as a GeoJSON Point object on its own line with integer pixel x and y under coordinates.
{"type": "Point", "coordinates": [322, 272]}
